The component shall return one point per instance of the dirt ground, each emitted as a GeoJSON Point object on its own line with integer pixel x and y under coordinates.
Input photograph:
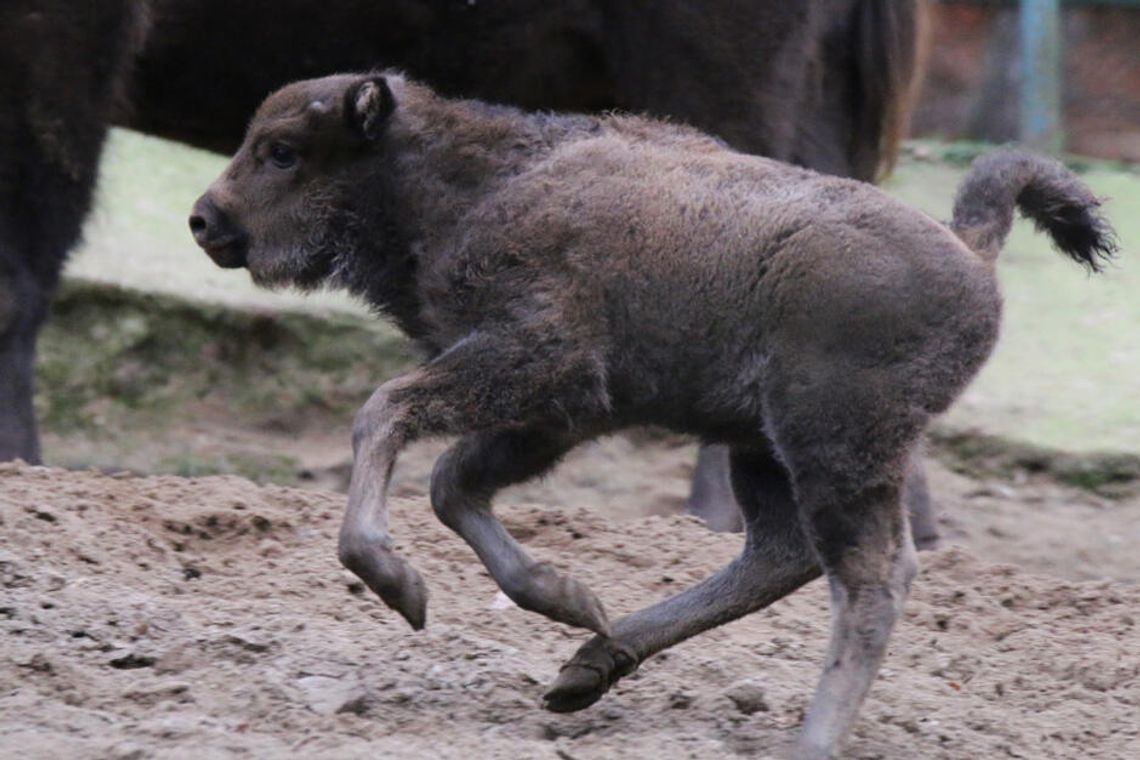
{"type": "Point", "coordinates": [168, 617]}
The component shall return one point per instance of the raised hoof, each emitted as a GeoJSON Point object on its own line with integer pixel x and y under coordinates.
{"type": "Point", "coordinates": [397, 583]}
{"type": "Point", "coordinates": [589, 675]}
{"type": "Point", "coordinates": [562, 599]}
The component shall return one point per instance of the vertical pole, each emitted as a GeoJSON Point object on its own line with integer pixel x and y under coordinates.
{"type": "Point", "coordinates": [1040, 22]}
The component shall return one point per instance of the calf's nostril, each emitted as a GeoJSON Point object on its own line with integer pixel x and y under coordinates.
{"type": "Point", "coordinates": [197, 224]}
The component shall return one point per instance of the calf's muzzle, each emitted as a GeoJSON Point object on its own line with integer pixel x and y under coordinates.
{"type": "Point", "coordinates": [217, 235]}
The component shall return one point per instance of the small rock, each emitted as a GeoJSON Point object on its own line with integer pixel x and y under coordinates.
{"type": "Point", "coordinates": [268, 547]}
{"type": "Point", "coordinates": [38, 663]}
{"type": "Point", "coordinates": [501, 602]}
{"type": "Point", "coordinates": [175, 660]}
{"type": "Point", "coordinates": [54, 581]}
{"type": "Point", "coordinates": [11, 575]}
{"type": "Point", "coordinates": [612, 712]}
{"type": "Point", "coordinates": [358, 704]}
{"type": "Point", "coordinates": [251, 641]}
{"type": "Point", "coordinates": [352, 583]}
{"type": "Point", "coordinates": [172, 727]}
{"type": "Point", "coordinates": [152, 694]}
{"type": "Point", "coordinates": [748, 696]}
{"type": "Point", "coordinates": [128, 751]}
{"type": "Point", "coordinates": [680, 700]}
{"type": "Point", "coordinates": [132, 661]}
{"type": "Point", "coordinates": [328, 696]}
{"type": "Point", "coordinates": [42, 513]}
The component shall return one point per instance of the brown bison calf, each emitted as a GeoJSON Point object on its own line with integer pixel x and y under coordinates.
{"type": "Point", "coordinates": [570, 276]}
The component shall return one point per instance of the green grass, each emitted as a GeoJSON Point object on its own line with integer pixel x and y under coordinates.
{"type": "Point", "coordinates": [160, 384]}
{"type": "Point", "coordinates": [128, 378]}
{"type": "Point", "coordinates": [1064, 376]}
{"type": "Point", "coordinates": [110, 353]}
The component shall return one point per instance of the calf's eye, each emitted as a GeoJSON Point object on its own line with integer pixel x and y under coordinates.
{"type": "Point", "coordinates": [282, 156]}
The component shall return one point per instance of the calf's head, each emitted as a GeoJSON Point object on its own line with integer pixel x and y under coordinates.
{"type": "Point", "coordinates": [294, 198]}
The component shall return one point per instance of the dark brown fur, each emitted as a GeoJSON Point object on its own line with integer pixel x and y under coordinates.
{"type": "Point", "coordinates": [570, 276]}
{"type": "Point", "coordinates": [825, 83]}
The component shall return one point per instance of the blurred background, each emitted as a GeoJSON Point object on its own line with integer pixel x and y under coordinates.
{"type": "Point", "coordinates": [1085, 74]}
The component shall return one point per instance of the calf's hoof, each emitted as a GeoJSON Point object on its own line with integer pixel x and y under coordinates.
{"type": "Point", "coordinates": [397, 583]}
{"type": "Point", "coordinates": [589, 674]}
{"type": "Point", "coordinates": [544, 590]}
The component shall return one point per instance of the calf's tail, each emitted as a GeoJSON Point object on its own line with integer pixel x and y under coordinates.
{"type": "Point", "coordinates": [1045, 191]}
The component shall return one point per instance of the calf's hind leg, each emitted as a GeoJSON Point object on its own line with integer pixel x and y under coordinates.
{"type": "Point", "coordinates": [462, 485]}
{"type": "Point", "coordinates": [777, 559]}
{"type": "Point", "coordinates": [863, 539]}
{"type": "Point", "coordinates": [846, 517]}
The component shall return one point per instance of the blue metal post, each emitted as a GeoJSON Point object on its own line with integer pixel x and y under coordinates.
{"type": "Point", "coordinates": [1040, 32]}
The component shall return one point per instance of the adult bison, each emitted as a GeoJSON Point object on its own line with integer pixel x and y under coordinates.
{"type": "Point", "coordinates": [821, 83]}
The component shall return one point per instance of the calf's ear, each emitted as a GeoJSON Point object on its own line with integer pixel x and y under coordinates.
{"type": "Point", "coordinates": [367, 105]}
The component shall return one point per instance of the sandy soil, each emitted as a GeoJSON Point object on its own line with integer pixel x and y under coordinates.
{"type": "Point", "coordinates": [167, 617]}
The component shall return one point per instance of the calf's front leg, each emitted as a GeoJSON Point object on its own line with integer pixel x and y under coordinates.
{"type": "Point", "coordinates": [491, 388]}
{"type": "Point", "coordinates": [365, 544]}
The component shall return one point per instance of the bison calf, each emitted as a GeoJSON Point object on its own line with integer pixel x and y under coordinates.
{"type": "Point", "coordinates": [570, 276]}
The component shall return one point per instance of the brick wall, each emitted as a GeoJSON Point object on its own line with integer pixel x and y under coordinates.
{"type": "Point", "coordinates": [972, 76]}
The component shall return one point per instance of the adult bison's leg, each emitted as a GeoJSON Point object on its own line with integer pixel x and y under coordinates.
{"type": "Point", "coordinates": [61, 70]}
{"type": "Point", "coordinates": [46, 183]}
{"type": "Point", "coordinates": [463, 483]}
{"type": "Point", "coordinates": [23, 302]}
{"type": "Point", "coordinates": [482, 383]}
{"type": "Point", "coordinates": [776, 560]}
{"type": "Point", "coordinates": [919, 506]}
{"type": "Point", "coordinates": [712, 500]}
{"type": "Point", "coordinates": [710, 497]}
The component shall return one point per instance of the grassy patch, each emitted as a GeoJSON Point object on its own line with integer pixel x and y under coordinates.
{"type": "Point", "coordinates": [962, 153]}
{"type": "Point", "coordinates": [116, 363]}
{"type": "Point", "coordinates": [1112, 474]}
{"type": "Point", "coordinates": [267, 468]}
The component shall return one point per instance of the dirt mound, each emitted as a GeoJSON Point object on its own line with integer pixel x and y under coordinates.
{"type": "Point", "coordinates": [146, 617]}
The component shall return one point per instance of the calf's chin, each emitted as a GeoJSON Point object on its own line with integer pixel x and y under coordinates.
{"type": "Point", "coordinates": [295, 268]}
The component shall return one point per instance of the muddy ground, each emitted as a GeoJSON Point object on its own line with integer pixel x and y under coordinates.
{"type": "Point", "coordinates": [171, 617]}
